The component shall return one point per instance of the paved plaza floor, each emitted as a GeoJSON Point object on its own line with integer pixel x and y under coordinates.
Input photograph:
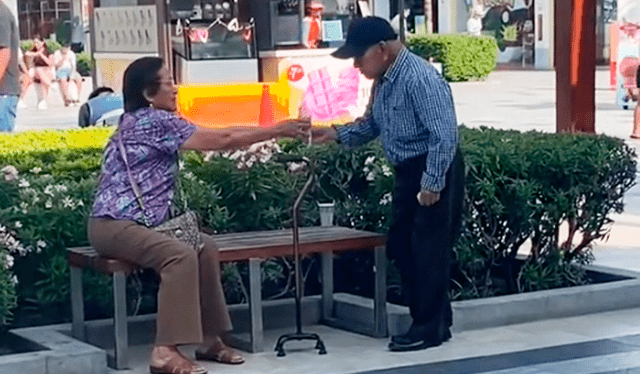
{"type": "Point", "coordinates": [596, 343]}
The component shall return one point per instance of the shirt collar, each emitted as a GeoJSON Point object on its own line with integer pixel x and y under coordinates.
{"type": "Point", "coordinates": [394, 70]}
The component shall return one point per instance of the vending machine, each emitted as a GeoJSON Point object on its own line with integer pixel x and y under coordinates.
{"type": "Point", "coordinates": [286, 22]}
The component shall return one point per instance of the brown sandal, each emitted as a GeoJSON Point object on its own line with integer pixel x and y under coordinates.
{"type": "Point", "coordinates": [178, 365]}
{"type": "Point", "coordinates": [220, 352]}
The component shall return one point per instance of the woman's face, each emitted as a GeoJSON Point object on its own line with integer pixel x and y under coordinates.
{"type": "Point", "coordinates": [165, 97]}
{"type": "Point", "coordinates": [39, 44]}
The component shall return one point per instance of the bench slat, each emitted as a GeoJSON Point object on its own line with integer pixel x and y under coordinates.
{"type": "Point", "coordinates": [252, 244]}
{"type": "Point", "coordinates": [275, 243]}
{"type": "Point", "coordinates": [87, 257]}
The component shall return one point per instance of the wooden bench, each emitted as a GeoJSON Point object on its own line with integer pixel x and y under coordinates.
{"type": "Point", "coordinates": [253, 247]}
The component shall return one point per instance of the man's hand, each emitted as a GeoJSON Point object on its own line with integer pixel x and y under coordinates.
{"type": "Point", "coordinates": [428, 198]}
{"type": "Point", "coordinates": [323, 135]}
{"type": "Point", "coordinates": [294, 128]}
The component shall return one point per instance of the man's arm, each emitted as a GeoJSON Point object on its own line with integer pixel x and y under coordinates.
{"type": "Point", "coordinates": [5, 46]}
{"type": "Point", "coordinates": [358, 132]}
{"type": "Point", "coordinates": [5, 57]}
{"type": "Point", "coordinates": [435, 110]}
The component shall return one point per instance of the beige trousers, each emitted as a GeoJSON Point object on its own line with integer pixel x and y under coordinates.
{"type": "Point", "coordinates": [191, 302]}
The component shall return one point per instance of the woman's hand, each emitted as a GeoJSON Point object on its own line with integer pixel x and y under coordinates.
{"type": "Point", "coordinates": [294, 128]}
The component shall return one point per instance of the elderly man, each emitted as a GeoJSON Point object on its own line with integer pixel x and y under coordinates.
{"type": "Point", "coordinates": [9, 73]}
{"type": "Point", "coordinates": [412, 110]}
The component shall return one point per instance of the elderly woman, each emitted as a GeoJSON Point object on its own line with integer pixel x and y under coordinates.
{"type": "Point", "coordinates": [191, 305]}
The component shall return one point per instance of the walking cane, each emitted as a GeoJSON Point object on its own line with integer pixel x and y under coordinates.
{"type": "Point", "coordinates": [298, 335]}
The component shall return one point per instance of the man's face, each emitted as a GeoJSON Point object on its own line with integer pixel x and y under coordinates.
{"type": "Point", "coordinates": [372, 62]}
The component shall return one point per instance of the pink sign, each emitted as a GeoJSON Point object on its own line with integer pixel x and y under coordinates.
{"type": "Point", "coordinates": [325, 99]}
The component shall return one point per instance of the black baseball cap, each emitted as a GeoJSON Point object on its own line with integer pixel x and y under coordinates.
{"type": "Point", "coordinates": [362, 34]}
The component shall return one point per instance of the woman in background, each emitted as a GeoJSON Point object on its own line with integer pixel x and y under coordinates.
{"type": "Point", "coordinates": [67, 74]}
{"type": "Point", "coordinates": [41, 69]}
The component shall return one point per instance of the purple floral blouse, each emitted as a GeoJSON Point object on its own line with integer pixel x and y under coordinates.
{"type": "Point", "coordinates": [151, 139]}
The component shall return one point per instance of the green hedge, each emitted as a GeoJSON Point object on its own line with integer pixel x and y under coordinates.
{"type": "Point", "coordinates": [521, 187]}
{"type": "Point", "coordinates": [463, 57]}
{"type": "Point", "coordinates": [85, 64]}
{"type": "Point", "coordinates": [51, 44]}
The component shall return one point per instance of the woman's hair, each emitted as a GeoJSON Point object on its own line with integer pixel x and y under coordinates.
{"type": "Point", "coordinates": [98, 91]}
{"type": "Point", "coordinates": [38, 38]}
{"type": "Point", "coordinates": [140, 75]}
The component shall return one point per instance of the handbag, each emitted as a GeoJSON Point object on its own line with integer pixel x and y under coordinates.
{"type": "Point", "coordinates": [183, 227]}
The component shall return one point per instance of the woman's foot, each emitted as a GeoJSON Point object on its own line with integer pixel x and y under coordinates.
{"type": "Point", "coordinates": [217, 351]}
{"type": "Point", "coordinates": [168, 360]}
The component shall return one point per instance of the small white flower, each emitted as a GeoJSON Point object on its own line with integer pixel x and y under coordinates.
{"type": "Point", "coordinates": [23, 207]}
{"type": "Point", "coordinates": [386, 170]}
{"type": "Point", "coordinates": [36, 170]}
{"type": "Point", "coordinates": [60, 188]}
{"type": "Point", "coordinates": [236, 155]}
{"type": "Point", "coordinates": [386, 198]}
{"type": "Point", "coordinates": [48, 204]}
{"type": "Point", "coordinates": [67, 202]}
{"type": "Point", "coordinates": [369, 160]}
{"type": "Point", "coordinates": [371, 176]}
{"type": "Point", "coordinates": [14, 279]}
{"type": "Point", "coordinates": [180, 165]}
{"type": "Point", "coordinates": [40, 244]}
{"type": "Point", "coordinates": [48, 190]}
{"type": "Point", "coordinates": [18, 224]}
{"type": "Point", "coordinates": [9, 261]}
{"type": "Point", "coordinates": [255, 147]}
{"type": "Point", "coordinates": [294, 167]}
{"type": "Point", "coordinates": [23, 183]}
{"type": "Point", "coordinates": [265, 158]}
{"type": "Point", "coordinates": [10, 173]}
{"type": "Point", "coordinates": [80, 203]}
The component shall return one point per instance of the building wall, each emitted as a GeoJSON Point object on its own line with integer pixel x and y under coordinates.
{"type": "Point", "coordinates": [453, 14]}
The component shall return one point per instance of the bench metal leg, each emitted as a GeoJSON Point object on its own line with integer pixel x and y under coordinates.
{"type": "Point", "coordinates": [380, 297]}
{"type": "Point", "coordinates": [77, 304]}
{"type": "Point", "coordinates": [255, 305]}
{"type": "Point", "coordinates": [120, 320]}
{"type": "Point", "coordinates": [327, 285]}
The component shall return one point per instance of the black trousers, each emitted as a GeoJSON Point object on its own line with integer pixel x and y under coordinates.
{"type": "Point", "coordinates": [421, 240]}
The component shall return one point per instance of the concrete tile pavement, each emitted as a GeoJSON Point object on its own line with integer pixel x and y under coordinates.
{"type": "Point", "coordinates": [56, 116]}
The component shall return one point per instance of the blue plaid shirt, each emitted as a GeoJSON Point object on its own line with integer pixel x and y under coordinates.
{"type": "Point", "coordinates": [412, 109]}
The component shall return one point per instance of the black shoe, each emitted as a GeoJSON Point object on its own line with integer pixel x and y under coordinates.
{"type": "Point", "coordinates": [417, 338]}
{"type": "Point", "coordinates": [405, 343]}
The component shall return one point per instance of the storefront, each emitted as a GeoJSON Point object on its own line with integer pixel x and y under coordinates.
{"type": "Point", "coordinates": [262, 46]}
{"type": "Point", "coordinates": [522, 28]}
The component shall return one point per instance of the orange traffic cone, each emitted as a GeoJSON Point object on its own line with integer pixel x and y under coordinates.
{"type": "Point", "coordinates": [267, 117]}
